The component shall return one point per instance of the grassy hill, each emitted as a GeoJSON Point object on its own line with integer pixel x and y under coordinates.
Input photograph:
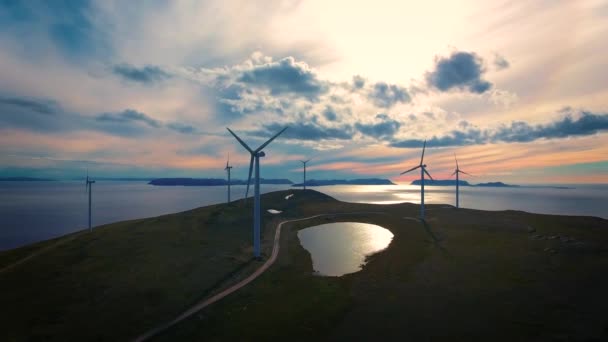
{"type": "Point", "coordinates": [464, 275]}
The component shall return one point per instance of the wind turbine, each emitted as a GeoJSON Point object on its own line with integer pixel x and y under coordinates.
{"type": "Point", "coordinates": [456, 172]}
{"type": "Point", "coordinates": [255, 155]}
{"type": "Point", "coordinates": [422, 172]}
{"type": "Point", "coordinates": [227, 168]}
{"type": "Point", "coordinates": [304, 162]}
{"type": "Point", "coordinates": [89, 189]}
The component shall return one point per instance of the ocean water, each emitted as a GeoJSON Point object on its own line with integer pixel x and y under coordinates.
{"type": "Point", "coordinates": [35, 211]}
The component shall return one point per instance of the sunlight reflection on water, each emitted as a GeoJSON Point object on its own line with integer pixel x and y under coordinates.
{"type": "Point", "coordinates": [341, 248]}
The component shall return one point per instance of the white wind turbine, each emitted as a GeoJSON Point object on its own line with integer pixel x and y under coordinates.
{"type": "Point", "coordinates": [255, 155]}
{"type": "Point", "coordinates": [456, 172]}
{"type": "Point", "coordinates": [422, 172]}
{"type": "Point", "coordinates": [227, 168]}
{"type": "Point", "coordinates": [89, 189]}
{"type": "Point", "coordinates": [304, 163]}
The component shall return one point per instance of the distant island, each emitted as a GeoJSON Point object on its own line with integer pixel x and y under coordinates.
{"type": "Point", "coordinates": [450, 182]}
{"type": "Point", "coordinates": [24, 179]}
{"type": "Point", "coordinates": [497, 185]}
{"type": "Point", "coordinates": [441, 182]}
{"type": "Point", "coordinates": [211, 181]}
{"type": "Point", "coordinates": [364, 181]}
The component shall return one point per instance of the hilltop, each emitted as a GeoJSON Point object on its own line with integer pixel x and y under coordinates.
{"type": "Point", "coordinates": [462, 275]}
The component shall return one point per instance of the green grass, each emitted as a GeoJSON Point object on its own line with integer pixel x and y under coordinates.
{"type": "Point", "coordinates": [466, 275]}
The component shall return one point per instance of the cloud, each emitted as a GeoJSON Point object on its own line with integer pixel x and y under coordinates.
{"type": "Point", "coordinates": [358, 82]}
{"type": "Point", "coordinates": [330, 114]}
{"type": "Point", "coordinates": [35, 115]}
{"type": "Point", "coordinates": [586, 124]}
{"type": "Point", "coordinates": [387, 95]}
{"type": "Point", "coordinates": [461, 70]}
{"type": "Point", "coordinates": [148, 74]}
{"type": "Point", "coordinates": [128, 115]}
{"type": "Point", "coordinates": [285, 76]}
{"type": "Point", "coordinates": [47, 116]}
{"type": "Point", "coordinates": [67, 25]}
{"type": "Point", "coordinates": [182, 128]}
{"type": "Point", "coordinates": [40, 106]}
{"type": "Point", "coordinates": [500, 62]}
{"type": "Point", "coordinates": [386, 128]}
{"type": "Point", "coordinates": [306, 131]}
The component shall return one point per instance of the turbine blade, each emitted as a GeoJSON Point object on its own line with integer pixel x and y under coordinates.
{"type": "Point", "coordinates": [240, 141]}
{"type": "Point", "coordinates": [427, 173]}
{"type": "Point", "coordinates": [456, 161]}
{"type": "Point", "coordinates": [466, 173]}
{"type": "Point", "coordinates": [249, 178]}
{"type": "Point", "coordinates": [423, 147]}
{"type": "Point", "coordinates": [270, 140]}
{"type": "Point", "coordinates": [412, 169]}
{"type": "Point", "coordinates": [453, 173]}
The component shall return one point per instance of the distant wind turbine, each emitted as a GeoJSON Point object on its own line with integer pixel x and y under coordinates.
{"type": "Point", "coordinates": [89, 189]}
{"type": "Point", "coordinates": [304, 162]}
{"type": "Point", "coordinates": [227, 168]}
{"type": "Point", "coordinates": [255, 155]}
{"type": "Point", "coordinates": [422, 172]}
{"type": "Point", "coordinates": [456, 172]}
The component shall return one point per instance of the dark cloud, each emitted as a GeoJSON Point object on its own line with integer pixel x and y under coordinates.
{"type": "Point", "coordinates": [67, 24]}
{"type": "Point", "coordinates": [285, 77]}
{"type": "Point", "coordinates": [182, 128]}
{"type": "Point", "coordinates": [358, 82]}
{"type": "Point", "coordinates": [306, 131]}
{"type": "Point", "coordinates": [386, 128]}
{"type": "Point", "coordinates": [40, 106]}
{"type": "Point", "coordinates": [37, 115]}
{"type": "Point", "coordinates": [330, 114]}
{"type": "Point", "coordinates": [500, 62]}
{"type": "Point", "coordinates": [461, 70]}
{"type": "Point", "coordinates": [387, 95]}
{"type": "Point", "coordinates": [147, 75]}
{"type": "Point", "coordinates": [126, 116]}
{"type": "Point", "coordinates": [587, 124]}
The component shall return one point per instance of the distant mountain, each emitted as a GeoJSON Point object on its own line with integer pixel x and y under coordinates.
{"type": "Point", "coordinates": [497, 185]}
{"type": "Point", "coordinates": [211, 181]}
{"type": "Point", "coordinates": [24, 179]}
{"type": "Point", "coordinates": [365, 181]}
{"type": "Point", "coordinates": [133, 179]}
{"type": "Point", "coordinates": [441, 182]}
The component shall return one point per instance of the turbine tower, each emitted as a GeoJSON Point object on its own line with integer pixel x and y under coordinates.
{"type": "Point", "coordinates": [304, 162]}
{"type": "Point", "coordinates": [255, 156]}
{"type": "Point", "coordinates": [423, 170]}
{"type": "Point", "coordinates": [89, 189]}
{"type": "Point", "coordinates": [227, 168]}
{"type": "Point", "coordinates": [456, 172]}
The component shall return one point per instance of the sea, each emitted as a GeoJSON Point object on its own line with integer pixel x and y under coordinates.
{"type": "Point", "coordinates": [39, 210]}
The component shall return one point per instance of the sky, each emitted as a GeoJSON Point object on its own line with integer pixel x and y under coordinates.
{"type": "Point", "coordinates": [518, 91]}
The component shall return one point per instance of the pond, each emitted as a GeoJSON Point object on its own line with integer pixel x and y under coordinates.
{"type": "Point", "coordinates": [341, 248]}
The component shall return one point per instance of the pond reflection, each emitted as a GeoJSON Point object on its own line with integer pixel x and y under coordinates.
{"type": "Point", "coordinates": [340, 248]}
